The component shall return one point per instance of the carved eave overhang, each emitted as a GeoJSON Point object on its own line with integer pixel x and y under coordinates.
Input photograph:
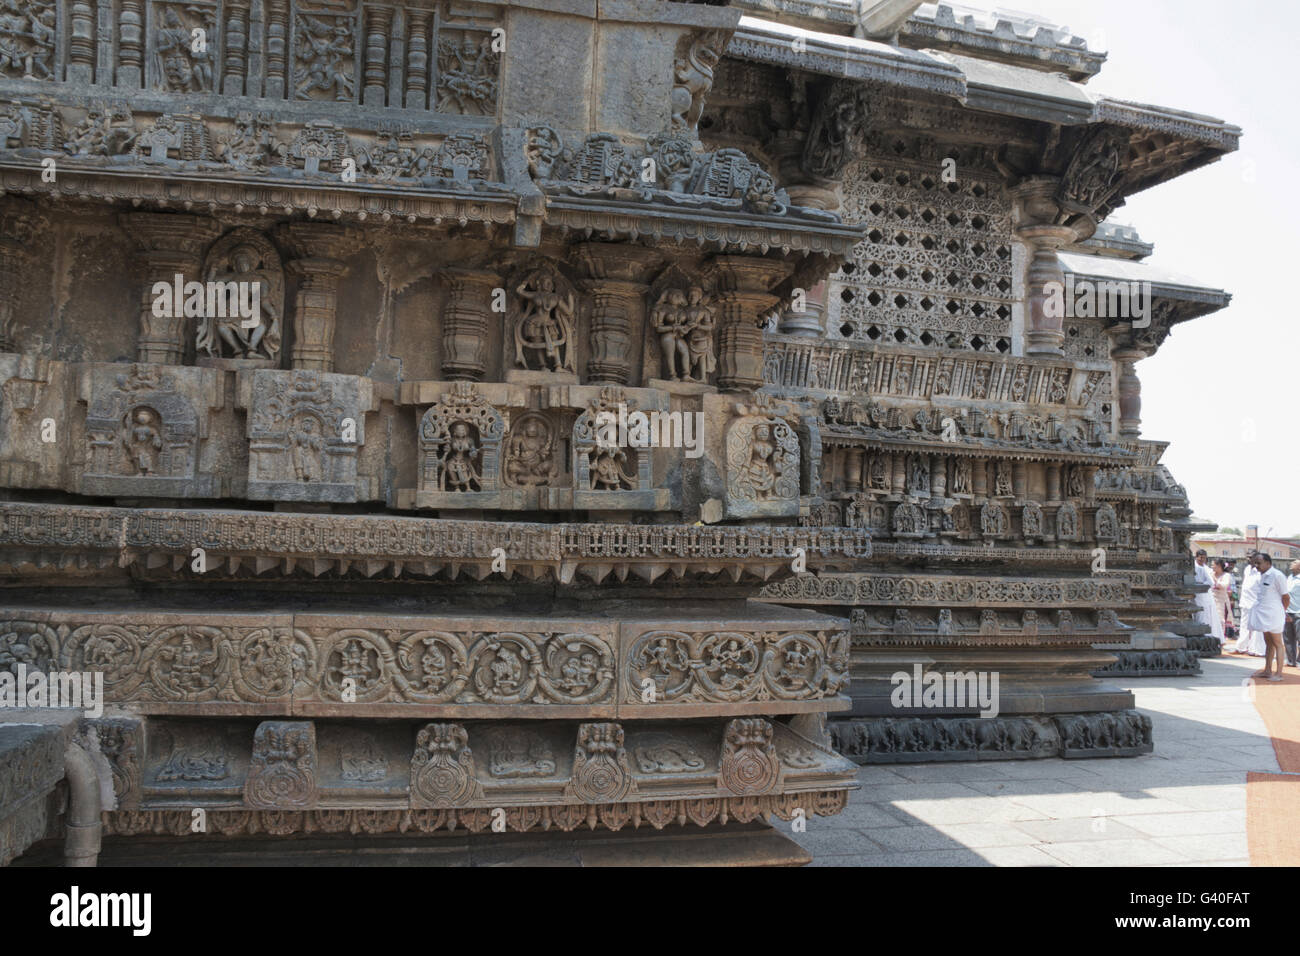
{"type": "Point", "coordinates": [1165, 142]}
{"type": "Point", "coordinates": [706, 228]}
{"type": "Point", "coordinates": [207, 192]}
{"type": "Point", "coordinates": [1174, 299]}
{"type": "Point", "coordinates": [764, 41]}
{"type": "Point", "coordinates": [250, 544]}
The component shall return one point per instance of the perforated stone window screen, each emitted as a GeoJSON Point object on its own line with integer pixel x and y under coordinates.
{"type": "Point", "coordinates": [935, 267]}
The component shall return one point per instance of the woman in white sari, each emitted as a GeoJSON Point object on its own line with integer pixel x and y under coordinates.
{"type": "Point", "coordinates": [1209, 615]}
{"type": "Point", "coordinates": [1222, 594]}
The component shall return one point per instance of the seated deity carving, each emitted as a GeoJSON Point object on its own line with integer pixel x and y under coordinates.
{"type": "Point", "coordinates": [249, 274]}
{"type": "Point", "coordinates": [529, 459]}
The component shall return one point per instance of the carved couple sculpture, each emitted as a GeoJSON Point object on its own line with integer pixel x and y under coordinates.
{"type": "Point", "coordinates": [685, 324]}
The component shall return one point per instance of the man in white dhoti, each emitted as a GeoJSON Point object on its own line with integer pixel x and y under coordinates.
{"type": "Point", "coordinates": [1249, 642]}
{"type": "Point", "coordinates": [1268, 612]}
{"type": "Point", "coordinates": [1209, 615]}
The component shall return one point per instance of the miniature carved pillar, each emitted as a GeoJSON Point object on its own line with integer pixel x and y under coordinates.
{"type": "Point", "coordinates": [939, 476]}
{"type": "Point", "coordinates": [615, 275]}
{"type": "Point", "coordinates": [377, 22]}
{"type": "Point", "coordinates": [1037, 213]}
{"type": "Point", "coordinates": [417, 61]}
{"type": "Point", "coordinates": [18, 221]}
{"type": "Point", "coordinates": [169, 244]}
{"type": "Point", "coordinates": [810, 321]}
{"type": "Point", "coordinates": [1090, 484]}
{"type": "Point", "coordinates": [1019, 480]}
{"type": "Point", "coordinates": [277, 39]}
{"type": "Point", "coordinates": [1129, 389]}
{"type": "Point", "coordinates": [236, 39]}
{"type": "Point", "coordinates": [743, 289]}
{"type": "Point", "coordinates": [319, 249]}
{"type": "Point", "coordinates": [81, 43]}
{"type": "Point", "coordinates": [979, 476]}
{"type": "Point", "coordinates": [465, 323]}
{"type": "Point", "coordinates": [130, 50]}
{"type": "Point", "coordinates": [898, 475]}
{"type": "Point", "coordinates": [1053, 482]}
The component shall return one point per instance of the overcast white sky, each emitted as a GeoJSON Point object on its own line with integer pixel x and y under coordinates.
{"type": "Point", "coordinates": [1224, 389]}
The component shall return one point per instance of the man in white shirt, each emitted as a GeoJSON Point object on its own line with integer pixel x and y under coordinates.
{"type": "Point", "coordinates": [1289, 635]}
{"type": "Point", "coordinates": [1249, 641]}
{"type": "Point", "coordinates": [1268, 611]}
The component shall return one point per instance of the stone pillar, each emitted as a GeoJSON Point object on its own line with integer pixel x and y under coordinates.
{"type": "Point", "coordinates": [81, 43]}
{"type": "Point", "coordinates": [236, 40]}
{"type": "Point", "coordinates": [1090, 484]}
{"type": "Point", "coordinates": [744, 286]}
{"type": "Point", "coordinates": [938, 476]}
{"type": "Point", "coordinates": [18, 222]}
{"type": "Point", "coordinates": [1019, 480]}
{"type": "Point", "coordinates": [318, 249]}
{"type": "Point", "coordinates": [465, 323]}
{"type": "Point", "coordinates": [377, 21]}
{"type": "Point", "coordinates": [1037, 213]}
{"type": "Point", "coordinates": [277, 39]}
{"type": "Point", "coordinates": [811, 322]}
{"type": "Point", "coordinates": [417, 61]}
{"type": "Point", "coordinates": [130, 49]}
{"type": "Point", "coordinates": [898, 475]}
{"type": "Point", "coordinates": [979, 479]}
{"type": "Point", "coordinates": [1128, 389]}
{"type": "Point", "coordinates": [615, 275]}
{"type": "Point", "coordinates": [169, 244]}
{"type": "Point", "coordinates": [1053, 482]}
{"type": "Point", "coordinates": [853, 470]}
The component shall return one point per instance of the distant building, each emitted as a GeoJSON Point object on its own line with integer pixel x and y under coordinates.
{"type": "Point", "coordinates": [1219, 545]}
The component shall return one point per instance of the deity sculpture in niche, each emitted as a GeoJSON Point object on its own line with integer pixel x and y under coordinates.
{"type": "Point", "coordinates": [1002, 486]}
{"type": "Point", "coordinates": [324, 57]}
{"type": "Point", "coordinates": [460, 443]}
{"type": "Point", "coordinates": [530, 453]}
{"type": "Point", "coordinates": [961, 477]}
{"type": "Point", "coordinates": [249, 268]}
{"type": "Point", "coordinates": [1067, 522]}
{"type": "Point", "coordinates": [306, 446]}
{"type": "Point", "coordinates": [459, 472]}
{"type": "Point", "coordinates": [179, 63]}
{"type": "Point", "coordinates": [668, 320]}
{"type": "Point", "coordinates": [142, 436]}
{"type": "Point", "coordinates": [762, 462]}
{"type": "Point", "coordinates": [544, 327]}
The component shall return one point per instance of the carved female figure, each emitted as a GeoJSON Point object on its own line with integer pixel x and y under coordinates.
{"type": "Point", "coordinates": [669, 319]}
{"type": "Point", "coordinates": [700, 323]}
{"type": "Point", "coordinates": [143, 440]}
{"type": "Point", "coordinates": [458, 471]}
{"type": "Point", "coordinates": [760, 474]}
{"type": "Point", "coordinates": [306, 447]}
{"type": "Point", "coordinates": [546, 328]}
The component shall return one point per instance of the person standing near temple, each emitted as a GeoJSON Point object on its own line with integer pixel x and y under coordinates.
{"type": "Point", "coordinates": [1205, 597]}
{"type": "Point", "coordinates": [1292, 617]}
{"type": "Point", "coordinates": [1249, 642]}
{"type": "Point", "coordinates": [1222, 594]}
{"type": "Point", "coordinates": [1268, 612]}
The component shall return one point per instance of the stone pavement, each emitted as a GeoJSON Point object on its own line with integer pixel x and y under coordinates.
{"type": "Point", "coordinates": [1183, 805]}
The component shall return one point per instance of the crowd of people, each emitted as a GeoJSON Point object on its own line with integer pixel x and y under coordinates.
{"type": "Point", "coordinates": [1268, 607]}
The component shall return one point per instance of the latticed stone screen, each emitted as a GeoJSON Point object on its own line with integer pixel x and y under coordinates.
{"type": "Point", "coordinates": [935, 268]}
